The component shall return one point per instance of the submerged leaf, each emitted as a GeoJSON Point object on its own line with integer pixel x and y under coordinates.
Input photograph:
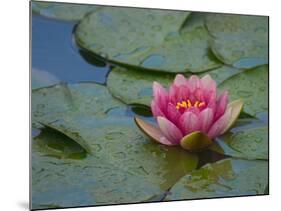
{"type": "Point", "coordinates": [243, 142]}
{"type": "Point", "coordinates": [224, 178]}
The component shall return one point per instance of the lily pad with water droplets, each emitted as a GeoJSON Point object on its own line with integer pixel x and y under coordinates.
{"type": "Point", "coordinates": [134, 87]}
{"type": "Point", "coordinates": [50, 104]}
{"type": "Point", "coordinates": [239, 40]}
{"type": "Point", "coordinates": [229, 177]}
{"type": "Point", "coordinates": [252, 87]}
{"type": "Point", "coordinates": [63, 11]}
{"type": "Point", "coordinates": [118, 142]}
{"type": "Point", "coordinates": [148, 39]}
{"type": "Point", "coordinates": [241, 142]}
{"type": "Point", "coordinates": [65, 182]}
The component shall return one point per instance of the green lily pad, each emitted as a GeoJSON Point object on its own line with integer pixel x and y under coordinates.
{"type": "Point", "coordinates": [135, 87]}
{"type": "Point", "coordinates": [224, 178]}
{"type": "Point", "coordinates": [63, 11]}
{"type": "Point", "coordinates": [52, 143]}
{"type": "Point", "coordinates": [148, 39]}
{"type": "Point", "coordinates": [117, 141]}
{"type": "Point", "coordinates": [40, 78]}
{"type": "Point", "coordinates": [71, 183]}
{"type": "Point", "coordinates": [239, 40]}
{"type": "Point", "coordinates": [52, 103]}
{"type": "Point", "coordinates": [252, 87]}
{"type": "Point", "coordinates": [241, 142]}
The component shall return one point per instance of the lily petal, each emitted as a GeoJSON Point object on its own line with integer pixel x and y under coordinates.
{"type": "Point", "coordinates": [236, 107]}
{"type": "Point", "coordinates": [195, 141]}
{"type": "Point", "coordinates": [208, 84]}
{"type": "Point", "coordinates": [193, 83]}
{"type": "Point", "coordinates": [221, 105]}
{"type": "Point", "coordinates": [206, 118]}
{"type": "Point", "coordinates": [189, 122]}
{"type": "Point", "coordinates": [180, 80]}
{"type": "Point", "coordinates": [170, 130]}
{"type": "Point", "coordinates": [172, 113]}
{"type": "Point", "coordinates": [219, 126]}
{"type": "Point", "coordinates": [153, 132]}
{"type": "Point", "coordinates": [160, 96]}
{"type": "Point", "coordinates": [156, 111]}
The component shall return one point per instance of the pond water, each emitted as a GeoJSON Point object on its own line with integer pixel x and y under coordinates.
{"type": "Point", "coordinates": [54, 51]}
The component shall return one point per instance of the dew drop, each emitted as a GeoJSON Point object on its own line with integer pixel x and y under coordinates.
{"type": "Point", "coordinates": [96, 147]}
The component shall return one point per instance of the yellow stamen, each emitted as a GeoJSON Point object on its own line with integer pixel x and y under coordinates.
{"type": "Point", "coordinates": [189, 104]}
{"type": "Point", "coordinates": [201, 104]}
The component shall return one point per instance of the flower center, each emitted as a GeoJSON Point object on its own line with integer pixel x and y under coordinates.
{"type": "Point", "coordinates": [188, 104]}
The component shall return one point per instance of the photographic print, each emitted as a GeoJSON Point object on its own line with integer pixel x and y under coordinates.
{"type": "Point", "coordinates": [138, 105]}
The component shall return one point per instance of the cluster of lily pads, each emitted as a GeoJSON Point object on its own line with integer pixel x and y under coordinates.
{"type": "Point", "coordinates": [89, 150]}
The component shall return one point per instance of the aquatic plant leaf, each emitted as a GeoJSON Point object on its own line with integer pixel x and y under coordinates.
{"type": "Point", "coordinates": [40, 78]}
{"type": "Point", "coordinates": [148, 39]}
{"type": "Point", "coordinates": [117, 141]}
{"type": "Point", "coordinates": [63, 11]}
{"type": "Point", "coordinates": [50, 104]}
{"type": "Point", "coordinates": [239, 40]}
{"type": "Point", "coordinates": [241, 142]}
{"type": "Point", "coordinates": [69, 183]}
{"type": "Point", "coordinates": [252, 87]}
{"type": "Point", "coordinates": [228, 177]}
{"type": "Point", "coordinates": [135, 87]}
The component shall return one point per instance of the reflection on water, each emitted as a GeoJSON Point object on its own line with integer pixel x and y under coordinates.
{"type": "Point", "coordinates": [54, 51]}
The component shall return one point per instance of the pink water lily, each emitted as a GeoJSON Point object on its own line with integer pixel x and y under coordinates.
{"type": "Point", "coordinates": [191, 113]}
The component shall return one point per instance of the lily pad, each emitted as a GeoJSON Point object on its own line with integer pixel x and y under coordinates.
{"type": "Point", "coordinates": [249, 143]}
{"type": "Point", "coordinates": [134, 87]}
{"type": "Point", "coordinates": [52, 143]}
{"type": "Point", "coordinates": [63, 11]}
{"type": "Point", "coordinates": [148, 39]}
{"type": "Point", "coordinates": [252, 87]}
{"type": "Point", "coordinates": [42, 78]}
{"type": "Point", "coordinates": [229, 177]}
{"type": "Point", "coordinates": [239, 40]}
{"type": "Point", "coordinates": [52, 103]}
{"type": "Point", "coordinates": [71, 183]}
{"type": "Point", "coordinates": [118, 142]}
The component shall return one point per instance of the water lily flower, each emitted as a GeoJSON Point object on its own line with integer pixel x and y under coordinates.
{"type": "Point", "coordinates": [191, 114]}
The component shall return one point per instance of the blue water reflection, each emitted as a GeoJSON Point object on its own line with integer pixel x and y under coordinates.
{"type": "Point", "coordinates": [54, 51]}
